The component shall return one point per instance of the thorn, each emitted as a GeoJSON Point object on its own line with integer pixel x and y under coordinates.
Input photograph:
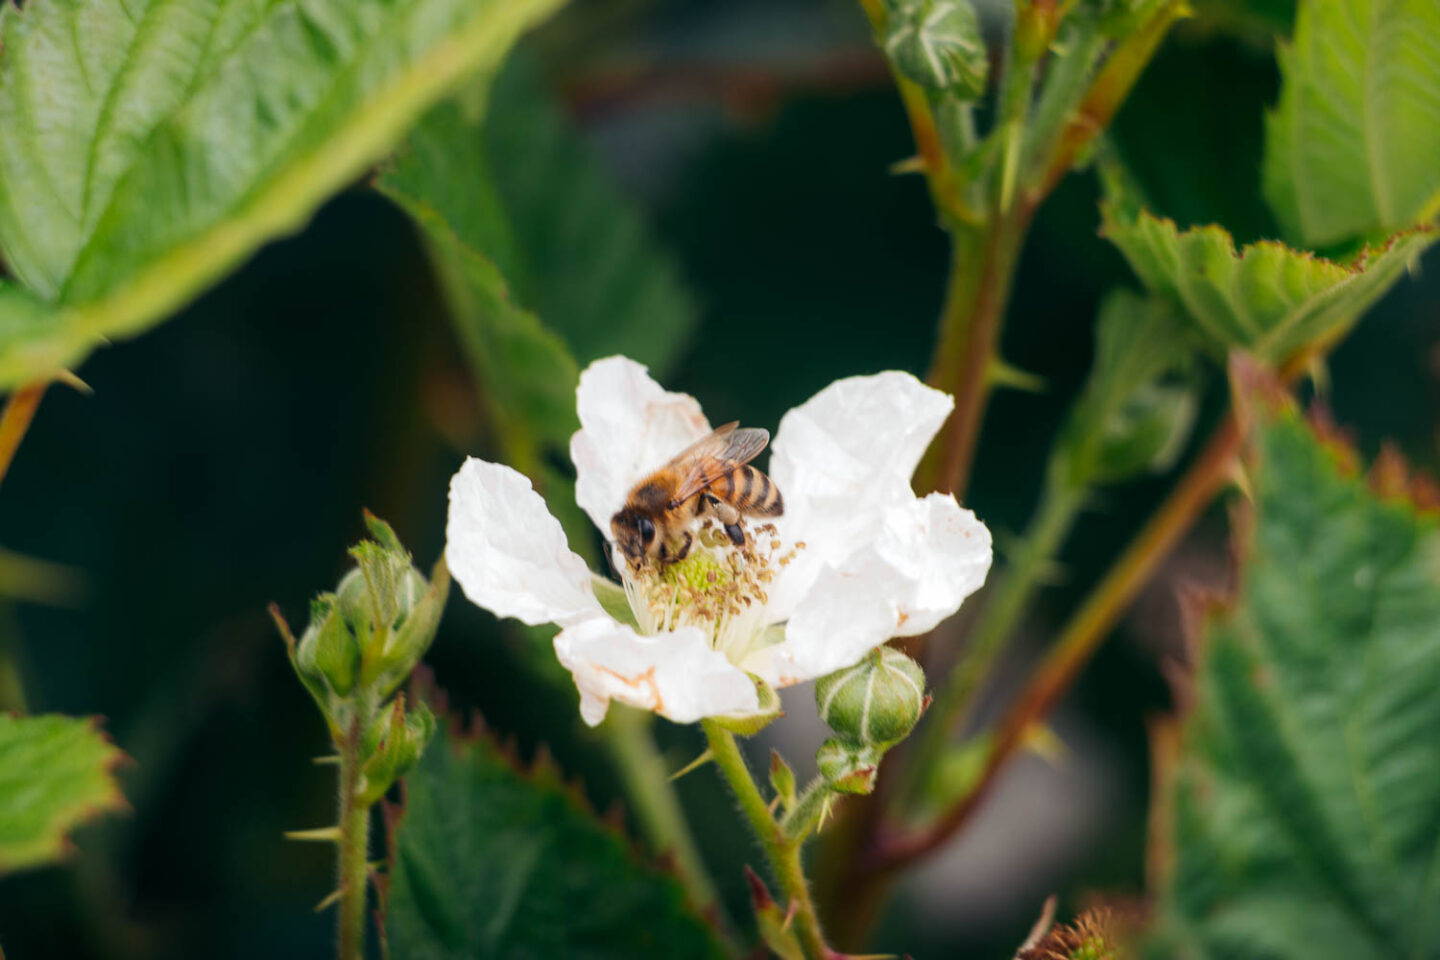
{"type": "Point", "coordinates": [1241, 478]}
{"type": "Point", "coordinates": [330, 900]}
{"type": "Point", "coordinates": [826, 808]}
{"type": "Point", "coordinates": [774, 803]}
{"type": "Point", "coordinates": [759, 896]}
{"type": "Point", "coordinates": [790, 912]}
{"type": "Point", "coordinates": [693, 765]}
{"type": "Point", "coordinates": [1003, 374]}
{"type": "Point", "coordinates": [70, 380]}
{"type": "Point", "coordinates": [1042, 925]}
{"type": "Point", "coordinates": [333, 758]}
{"type": "Point", "coordinates": [318, 835]}
{"type": "Point", "coordinates": [915, 164]}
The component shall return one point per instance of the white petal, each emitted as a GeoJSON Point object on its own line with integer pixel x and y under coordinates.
{"type": "Point", "coordinates": [675, 674]}
{"type": "Point", "coordinates": [508, 553]}
{"type": "Point", "coordinates": [928, 557]}
{"type": "Point", "coordinates": [841, 459]}
{"type": "Point", "coordinates": [629, 425]}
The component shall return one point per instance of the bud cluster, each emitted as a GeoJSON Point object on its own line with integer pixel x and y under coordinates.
{"type": "Point", "coordinates": [871, 707]}
{"type": "Point", "coordinates": [362, 641]}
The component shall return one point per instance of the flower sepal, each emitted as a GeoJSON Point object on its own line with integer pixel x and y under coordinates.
{"type": "Point", "coordinates": [848, 767]}
{"type": "Point", "coordinates": [749, 724]}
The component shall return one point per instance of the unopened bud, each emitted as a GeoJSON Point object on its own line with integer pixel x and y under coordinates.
{"type": "Point", "coordinates": [937, 45]}
{"type": "Point", "coordinates": [392, 746]}
{"type": "Point", "coordinates": [877, 702]}
{"type": "Point", "coordinates": [848, 767]}
{"type": "Point", "coordinates": [327, 652]}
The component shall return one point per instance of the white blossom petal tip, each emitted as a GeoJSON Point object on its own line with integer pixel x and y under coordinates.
{"type": "Point", "coordinates": [676, 674]}
{"type": "Point", "coordinates": [629, 425]}
{"type": "Point", "coordinates": [508, 553]}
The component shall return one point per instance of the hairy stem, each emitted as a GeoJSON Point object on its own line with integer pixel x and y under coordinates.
{"type": "Point", "coordinates": [353, 849]}
{"type": "Point", "coordinates": [652, 796]}
{"type": "Point", "coordinates": [782, 851]}
{"type": "Point", "coordinates": [1205, 477]}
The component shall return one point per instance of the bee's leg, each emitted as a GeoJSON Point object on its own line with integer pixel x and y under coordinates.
{"type": "Point", "coordinates": [684, 550]}
{"type": "Point", "coordinates": [736, 533]}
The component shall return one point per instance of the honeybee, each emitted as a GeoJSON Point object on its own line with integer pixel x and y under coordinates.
{"type": "Point", "coordinates": [712, 476]}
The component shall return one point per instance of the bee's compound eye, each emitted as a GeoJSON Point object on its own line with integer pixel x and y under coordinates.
{"type": "Point", "coordinates": [646, 528]}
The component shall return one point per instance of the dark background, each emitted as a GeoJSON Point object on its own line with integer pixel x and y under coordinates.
{"type": "Point", "coordinates": [223, 461]}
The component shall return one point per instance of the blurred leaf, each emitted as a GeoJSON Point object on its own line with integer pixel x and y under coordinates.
{"type": "Point", "coordinates": [585, 260]}
{"type": "Point", "coordinates": [526, 372]}
{"type": "Point", "coordinates": [1138, 405]}
{"type": "Point", "coordinates": [1306, 798]}
{"type": "Point", "coordinates": [1266, 298]}
{"type": "Point", "coordinates": [1192, 134]}
{"type": "Point", "coordinates": [1352, 146]}
{"type": "Point", "coordinates": [1258, 19]}
{"type": "Point", "coordinates": [493, 861]}
{"type": "Point", "coordinates": [55, 774]}
{"type": "Point", "coordinates": [146, 149]}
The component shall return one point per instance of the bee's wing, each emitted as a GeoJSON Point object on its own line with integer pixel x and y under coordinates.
{"type": "Point", "coordinates": [712, 456]}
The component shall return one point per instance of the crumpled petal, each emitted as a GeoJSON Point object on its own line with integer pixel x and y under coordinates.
{"type": "Point", "coordinates": [929, 555]}
{"type": "Point", "coordinates": [675, 674]}
{"type": "Point", "coordinates": [841, 459]}
{"type": "Point", "coordinates": [508, 553]}
{"type": "Point", "coordinates": [629, 426]}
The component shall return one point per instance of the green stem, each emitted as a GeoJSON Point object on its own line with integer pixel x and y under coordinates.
{"type": "Point", "coordinates": [1075, 56]}
{"type": "Point", "coordinates": [646, 778]}
{"type": "Point", "coordinates": [353, 849]}
{"type": "Point", "coordinates": [782, 851]}
{"type": "Point", "coordinates": [1006, 603]}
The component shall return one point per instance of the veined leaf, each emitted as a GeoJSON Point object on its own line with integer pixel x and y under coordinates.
{"type": "Point", "coordinates": [492, 861]}
{"type": "Point", "coordinates": [527, 374]}
{"type": "Point", "coordinates": [55, 774]}
{"type": "Point", "coordinates": [148, 147]}
{"type": "Point", "coordinates": [1353, 146]}
{"type": "Point", "coordinates": [1306, 796]}
{"type": "Point", "coordinates": [1265, 298]}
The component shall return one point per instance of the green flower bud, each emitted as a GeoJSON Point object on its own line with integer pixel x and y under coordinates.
{"type": "Point", "coordinates": [848, 767]}
{"type": "Point", "coordinates": [937, 44]}
{"type": "Point", "coordinates": [877, 702]}
{"type": "Point", "coordinates": [392, 745]}
{"type": "Point", "coordinates": [327, 653]}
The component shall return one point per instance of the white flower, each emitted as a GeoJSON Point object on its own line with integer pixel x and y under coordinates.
{"type": "Point", "coordinates": [855, 560]}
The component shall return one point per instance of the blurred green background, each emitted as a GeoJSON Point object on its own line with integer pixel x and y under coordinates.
{"type": "Point", "coordinates": [223, 461]}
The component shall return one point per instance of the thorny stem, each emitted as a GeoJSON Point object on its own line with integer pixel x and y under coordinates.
{"type": "Point", "coordinates": [783, 851]}
{"type": "Point", "coordinates": [646, 778]}
{"type": "Point", "coordinates": [15, 421]}
{"type": "Point", "coordinates": [353, 848]}
{"type": "Point", "coordinates": [1205, 477]}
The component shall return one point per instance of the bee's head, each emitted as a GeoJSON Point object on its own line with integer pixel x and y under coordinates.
{"type": "Point", "coordinates": [634, 533]}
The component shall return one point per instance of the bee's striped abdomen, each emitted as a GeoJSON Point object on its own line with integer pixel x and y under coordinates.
{"type": "Point", "coordinates": [751, 492]}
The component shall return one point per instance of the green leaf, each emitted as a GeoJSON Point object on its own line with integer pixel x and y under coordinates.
{"type": "Point", "coordinates": [527, 374]}
{"type": "Point", "coordinates": [1306, 795]}
{"type": "Point", "coordinates": [1352, 145]}
{"type": "Point", "coordinates": [1138, 404]}
{"type": "Point", "coordinates": [1265, 298]}
{"type": "Point", "coordinates": [146, 148]}
{"type": "Point", "coordinates": [585, 260]}
{"type": "Point", "coordinates": [492, 861]}
{"type": "Point", "coordinates": [55, 774]}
